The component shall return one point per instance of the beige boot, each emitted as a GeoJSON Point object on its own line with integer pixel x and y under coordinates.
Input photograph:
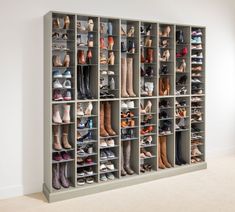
{"type": "Point", "coordinates": [66, 60]}
{"type": "Point", "coordinates": [66, 22]}
{"type": "Point", "coordinates": [124, 76]}
{"type": "Point", "coordinates": [66, 116]}
{"type": "Point", "coordinates": [111, 58]}
{"type": "Point", "coordinates": [65, 141]}
{"type": "Point", "coordinates": [160, 163]}
{"type": "Point", "coordinates": [56, 61]}
{"type": "Point", "coordinates": [107, 119]}
{"type": "Point", "coordinates": [56, 141]}
{"type": "Point", "coordinates": [103, 132]}
{"type": "Point", "coordinates": [164, 152]}
{"type": "Point", "coordinates": [56, 115]}
{"type": "Point", "coordinates": [129, 84]}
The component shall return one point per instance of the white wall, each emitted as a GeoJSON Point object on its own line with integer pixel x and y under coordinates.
{"type": "Point", "coordinates": [21, 68]}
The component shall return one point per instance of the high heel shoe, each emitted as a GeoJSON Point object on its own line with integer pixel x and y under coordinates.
{"type": "Point", "coordinates": [149, 58]}
{"type": "Point", "coordinates": [89, 109]}
{"type": "Point", "coordinates": [142, 56]}
{"type": "Point", "coordinates": [102, 45]}
{"type": "Point", "coordinates": [80, 27]}
{"type": "Point", "coordinates": [102, 28]}
{"type": "Point", "coordinates": [56, 61]}
{"type": "Point", "coordinates": [56, 23]}
{"type": "Point", "coordinates": [90, 26]}
{"type": "Point", "coordinates": [182, 53]}
{"type": "Point", "coordinates": [131, 32]}
{"type": "Point", "coordinates": [148, 42]}
{"type": "Point", "coordinates": [123, 33]}
{"type": "Point", "coordinates": [148, 107]}
{"type": "Point", "coordinates": [148, 29]}
{"type": "Point", "coordinates": [66, 60]}
{"type": "Point", "coordinates": [165, 56]}
{"type": "Point", "coordinates": [66, 22]}
{"type": "Point", "coordinates": [165, 32]}
{"type": "Point", "coordinates": [110, 43]}
{"type": "Point", "coordinates": [111, 58]}
{"type": "Point", "coordinates": [181, 67]}
{"type": "Point", "coordinates": [81, 57]}
{"type": "Point", "coordinates": [88, 56]}
{"type": "Point", "coordinates": [164, 43]}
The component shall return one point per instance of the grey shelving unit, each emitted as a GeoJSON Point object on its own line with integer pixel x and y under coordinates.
{"type": "Point", "coordinates": [190, 103]}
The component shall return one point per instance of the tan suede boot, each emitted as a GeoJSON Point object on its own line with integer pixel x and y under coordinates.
{"type": "Point", "coordinates": [103, 132]}
{"type": "Point", "coordinates": [107, 119]}
{"type": "Point", "coordinates": [161, 87]}
{"type": "Point", "coordinates": [56, 141]}
{"type": "Point", "coordinates": [65, 141]}
{"type": "Point", "coordinates": [164, 152]}
{"type": "Point", "coordinates": [124, 75]}
{"type": "Point", "coordinates": [160, 163]}
{"type": "Point", "coordinates": [129, 84]}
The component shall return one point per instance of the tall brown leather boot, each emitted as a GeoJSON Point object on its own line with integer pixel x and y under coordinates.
{"type": "Point", "coordinates": [129, 84]}
{"type": "Point", "coordinates": [161, 87]}
{"type": "Point", "coordinates": [56, 141]}
{"type": "Point", "coordinates": [149, 56]}
{"type": "Point", "coordinates": [160, 163]}
{"type": "Point", "coordinates": [124, 76]}
{"type": "Point", "coordinates": [103, 132]}
{"type": "Point", "coordinates": [164, 152]}
{"type": "Point", "coordinates": [127, 157]}
{"type": "Point", "coordinates": [168, 86]}
{"type": "Point", "coordinates": [107, 119]}
{"type": "Point", "coordinates": [65, 141]}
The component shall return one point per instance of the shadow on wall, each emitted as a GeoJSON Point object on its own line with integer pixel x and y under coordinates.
{"type": "Point", "coordinates": [32, 106]}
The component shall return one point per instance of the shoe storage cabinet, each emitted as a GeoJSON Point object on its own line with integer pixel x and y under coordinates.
{"type": "Point", "coordinates": [161, 126]}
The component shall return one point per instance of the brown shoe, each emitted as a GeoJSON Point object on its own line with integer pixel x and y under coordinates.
{"type": "Point", "coordinates": [81, 57]}
{"type": "Point", "coordinates": [56, 141]}
{"type": "Point", "coordinates": [163, 150]}
{"type": "Point", "coordinates": [65, 141]}
{"type": "Point", "coordinates": [103, 132]}
{"type": "Point", "coordinates": [160, 163]}
{"type": "Point", "coordinates": [107, 119]}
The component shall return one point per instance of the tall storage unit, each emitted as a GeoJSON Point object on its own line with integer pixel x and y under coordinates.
{"type": "Point", "coordinates": [163, 117]}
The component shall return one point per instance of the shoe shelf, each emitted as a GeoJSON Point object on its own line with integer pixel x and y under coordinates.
{"type": "Point", "coordinates": [124, 102]}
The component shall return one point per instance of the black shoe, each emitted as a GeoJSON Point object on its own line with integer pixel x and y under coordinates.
{"type": "Point", "coordinates": [86, 73]}
{"type": "Point", "coordinates": [164, 69]}
{"type": "Point", "coordinates": [179, 37]}
{"type": "Point", "coordinates": [149, 71]}
{"type": "Point", "coordinates": [123, 47]}
{"type": "Point", "coordinates": [80, 83]}
{"type": "Point", "coordinates": [182, 80]}
{"type": "Point", "coordinates": [131, 47]}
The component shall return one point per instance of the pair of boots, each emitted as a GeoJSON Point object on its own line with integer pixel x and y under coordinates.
{"type": "Point", "coordinates": [64, 139]}
{"type": "Point", "coordinates": [178, 153]}
{"type": "Point", "coordinates": [127, 77]}
{"type": "Point", "coordinates": [105, 120]}
{"type": "Point", "coordinates": [56, 114]}
{"type": "Point", "coordinates": [164, 86]}
{"type": "Point", "coordinates": [59, 176]}
{"type": "Point", "coordinates": [125, 159]}
{"type": "Point", "coordinates": [83, 82]}
{"type": "Point", "coordinates": [56, 61]}
{"type": "Point", "coordinates": [162, 153]}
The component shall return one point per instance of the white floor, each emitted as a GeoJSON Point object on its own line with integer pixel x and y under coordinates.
{"type": "Point", "coordinates": [203, 191]}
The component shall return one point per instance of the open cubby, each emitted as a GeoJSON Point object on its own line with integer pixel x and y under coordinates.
{"type": "Point", "coordinates": [124, 102]}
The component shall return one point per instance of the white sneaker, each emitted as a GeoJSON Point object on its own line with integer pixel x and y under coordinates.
{"type": "Point", "coordinates": [110, 142]}
{"type": "Point", "coordinates": [110, 176]}
{"type": "Point", "coordinates": [124, 105]}
{"type": "Point", "coordinates": [130, 104]}
{"type": "Point", "coordinates": [57, 84]}
{"type": "Point", "coordinates": [104, 73]}
{"type": "Point", "coordinates": [67, 84]}
{"type": "Point", "coordinates": [103, 143]}
{"type": "Point", "coordinates": [110, 166]}
{"type": "Point", "coordinates": [110, 72]}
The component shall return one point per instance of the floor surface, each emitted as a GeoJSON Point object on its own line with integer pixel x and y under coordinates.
{"type": "Point", "coordinates": [207, 190]}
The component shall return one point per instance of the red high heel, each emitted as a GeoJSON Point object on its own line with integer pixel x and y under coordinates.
{"type": "Point", "coordinates": [88, 56]}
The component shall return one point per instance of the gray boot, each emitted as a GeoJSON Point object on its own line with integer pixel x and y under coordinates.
{"type": "Point", "coordinates": [127, 157]}
{"type": "Point", "coordinates": [55, 177]}
{"type": "Point", "coordinates": [123, 172]}
{"type": "Point", "coordinates": [63, 180]}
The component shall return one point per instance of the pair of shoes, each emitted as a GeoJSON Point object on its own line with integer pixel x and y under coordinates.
{"type": "Point", "coordinates": [146, 167]}
{"type": "Point", "coordinates": [88, 109]}
{"type": "Point", "coordinates": [182, 80]}
{"type": "Point", "coordinates": [84, 123]}
{"type": "Point", "coordinates": [165, 127]}
{"type": "Point", "coordinates": [56, 114]}
{"type": "Point", "coordinates": [104, 167]}
{"type": "Point", "coordinates": [197, 61]}
{"type": "Point", "coordinates": [56, 23]}
{"type": "Point", "coordinates": [127, 77]}
{"type": "Point", "coordinates": [58, 95]}
{"type": "Point", "coordinates": [144, 153]}
{"type": "Point", "coordinates": [162, 153]}
{"type": "Point", "coordinates": [126, 158]}
{"type": "Point", "coordinates": [56, 61]}
{"type": "Point", "coordinates": [180, 123]}
{"type": "Point", "coordinates": [66, 84]}
{"type": "Point", "coordinates": [196, 160]}
{"type": "Point", "coordinates": [164, 70]}
{"type": "Point", "coordinates": [179, 158]}
{"type": "Point", "coordinates": [58, 156]}
{"type": "Point", "coordinates": [180, 112]}
{"type": "Point", "coordinates": [81, 138]}
{"type": "Point", "coordinates": [164, 43]}
{"type": "Point", "coordinates": [88, 28]}
{"type": "Point", "coordinates": [65, 74]}
{"type": "Point", "coordinates": [105, 120]}
{"type": "Point", "coordinates": [195, 151]}
{"type": "Point", "coordinates": [85, 149]}
{"type": "Point", "coordinates": [81, 161]}
{"type": "Point", "coordinates": [85, 172]}
{"type": "Point", "coordinates": [163, 115]}
{"type": "Point", "coordinates": [197, 32]}
{"type": "Point", "coordinates": [127, 104]}
{"type": "Point", "coordinates": [59, 176]}
{"type": "Point", "coordinates": [107, 176]}
{"type": "Point", "coordinates": [107, 142]}
{"type": "Point", "coordinates": [164, 86]}
{"type": "Point", "coordinates": [149, 56]}
{"type": "Point", "coordinates": [127, 115]}
{"type": "Point", "coordinates": [146, 30]}
{"type": "Point", "coordinates": [198, 47]}
{"type": "Point", "coordinates": [128, 123]}
{"type": "Point", "coordinates": [106, 154]}
{"type": "Point", "coordinates": [127, 133]}
{"type": "Point", "coordinates": [146, 119]}
{"type": "Point", "coordinates": [197, 55]}
{"type": "Point", "coordinates": [196, 40]}
{"type": "Point", "coordinates": [164, 103]}
{"type": "Point", "coordinates": [181, 91]}
{"type": "Point", "coordinates": [147, 140]}
{"type": "Point", "coordinates": [57, 35]}
{"type": "Point", "coordinates": [146, 130]}
{"type": "Point", "coordinates": [82, 181]}
{"type": "Point", "coordinates": [147, 108]}
{"type": "Point", "coordinates": [195, 80]}
{"type": "Point", "coordinates": [81, 57]}
{"type": "Point", "coordinates": [106, 28]}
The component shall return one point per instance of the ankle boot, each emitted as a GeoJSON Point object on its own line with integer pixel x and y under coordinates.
{"type": "Point", "coordinates": [80, 83]}
{"type": "Point", "coordinates": [86, 73]}
{"type": "Point", "coordinates": [56, 115]}
{"type": "Point", "coordinates": [178, 153]}
{"type": "Point", "coordinates": [56, 61]}
{"type": "Point", "coordinates": [149, 56]}
{"type": "Point", "coordinates": [179, 37]}
{"type": "Point", "coordinates": [103, 132]}
{"type": "Point", "coordinates": [107, 119]}
{"type": "Point", "coordinates": [55, 177]}
{"type": "Point", "coordinates": [123, 172]}
{"type": "Point", "coordinates": [65, 141]}
{"type": "Point", "coordinates": [81, 57]}
{"type": "Point", "coordinates": [63, 179]}
{"type": "Point", "coordinates": [66, 22]}
{"type": "Point", "coordinates": [127, 157]}
{"type": "Point", "coordinates": [56, 141]}
{"type": "Point", "coordinates": [129, 84]}
{"type": "Point", "coordinates": [160, 163]}
{"type": "Point", "coordinates": [123, 76]}
{"type": "Point", "coordinates": [66, 116]}
{"type": "Point", "coordinates": [164, 152]}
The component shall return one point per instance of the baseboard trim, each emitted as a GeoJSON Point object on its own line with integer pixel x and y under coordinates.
{"type": "Point", "coordinates": [11, 191]}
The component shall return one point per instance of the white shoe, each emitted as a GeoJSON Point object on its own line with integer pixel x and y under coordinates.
{"type": "Point", "coordinates": [110, 72]}
{"type": "Point", "coordinates": [80, 110]}
{"type": "Point", "coordinates": [110, 166]}
{"type": "Point", "coordinates": [110, 142]}
{"type": "Point", "coordinates": [89, 109]}
{"type": "Point", "coordinates": [66, 116]}
{"type": "Point", "coordinates": [57, 84]}
{"type": "Point", "coordinates": [110, 176]}
{"type": "Point", "coordinates": [103, 143]}
{"type": "Point", "coordinates": [124, 105]}
{"type": "Point", "coordinates": [67, 84]}
{"type": "Point", "coordinates": [104, 73]}
{"type": "Point", "coordinates": [130, 104]}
